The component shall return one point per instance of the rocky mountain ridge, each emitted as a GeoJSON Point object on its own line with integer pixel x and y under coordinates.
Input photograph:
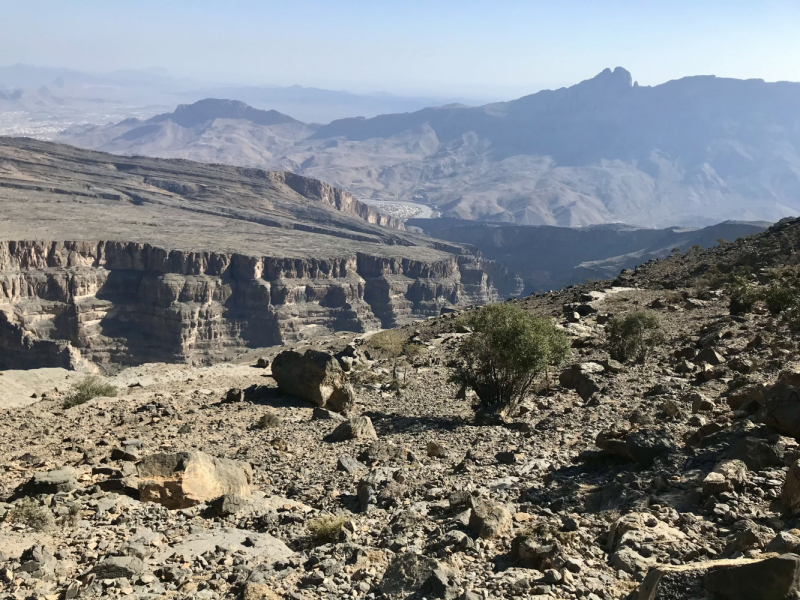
{"type": "Point", "coordinates": [689, 152]}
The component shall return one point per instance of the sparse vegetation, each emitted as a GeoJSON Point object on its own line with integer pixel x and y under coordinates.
{"type": "Point", "coordinates": [30, 513]}
{"type": "Point", "coordinates": [88, 388]}
{"type": "Point", "coordinates": [395, 345]}
{"type": "Point", "coordinates": [268, 420]}
{"type": "Point", "coordinates": [782, 292]}
{"type": "Point", "coordinates": [326, 529]}
{"type": "Point", "coordinates": [507, 350]}
{"type": "Point", "coordinates": [743, 295]}
{"type": "Point", "coordinates": [633, 336]}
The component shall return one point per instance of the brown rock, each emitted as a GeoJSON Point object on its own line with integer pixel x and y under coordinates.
{"type": "Point", "coordinates": [489, 519]}
{"type": "Point", "coordinates": [185, 479]}
{"type": "Point", "coordinates": [357, 428]}
{"type": "Point", "coordinates": [314, 376]}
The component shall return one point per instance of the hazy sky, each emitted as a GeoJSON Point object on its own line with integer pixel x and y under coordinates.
{"type": "Point", "coordinates": [502, 48]}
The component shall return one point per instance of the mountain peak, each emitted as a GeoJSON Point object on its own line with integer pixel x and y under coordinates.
{"type": "Point", "coordinates": [618, 78]}
{"type": "Point", "coordinates": [202, 111]}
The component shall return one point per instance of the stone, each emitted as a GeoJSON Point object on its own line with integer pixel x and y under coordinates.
{"type": "Point", "coordinates": [639, 528]}
{"type": "Point", "coordinates": [489, 519]}
{"type": "Point", "coordinates": [235, 395]}
{"type": "Point", "coordinates": [710, 356]}
{"type": "Point", "coordinates": [262, 362]}
{"type": "Point", "coordinates": [672, 408]}
{"type": "Point", "coordinates": [583, 378]}
{"type": "Point", "coordinates": [185, 479]}
{"type": "Point", "coordinates": [357, 428]}
{"type": "Point", "coordinates": [409, 574]}
{"type": "Point", "coordinates": [790, 494]}
{"type": "Point", "coordinates": [350, 465]}
{"type": "Point", "coordinates": [612, 442]}
{"type": "Point", "coordinates": [37, 562]}
{"type": "Point", "coordinates": [774, 578]}
{"type": "Point", "coordinates": [727, 476]}
{"type": "Point", "coordinates": [314, 376]}
{"type": "Point", "coordinates": [628, 560]}
{"type": "Point", "coordinates": [784, 542]}
{"type": "Point", "coordinates": [324, 414]}
{"type": "Point", "coordinates": [436, 450]}
{"type": "Point", "coordinates": [644, 446]}
{"type": "Point", "coordinates": [116, 567]}
{"type": "Point", "coordinates": [530, 552]}
{"type": "Point", "coordinates": [701, 403]}
{"type": "Point", "coordinates": [48, 482]}
{"type": "Point", "coordinates": [781, 408]}
{"type": "Point", "coordinates": [756, 453]}
{"type": "Point", "coordinates": [258, 591]}
{"type": "Point", "coordinates": [228, 504]}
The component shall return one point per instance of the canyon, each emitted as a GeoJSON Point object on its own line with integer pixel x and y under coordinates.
{"type": "Point", "coordinates": [107, 262]}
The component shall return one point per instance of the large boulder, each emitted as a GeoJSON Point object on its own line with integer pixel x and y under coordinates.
{"type": "Point", "coordinates": [774, 578]}
{"type": "Point", "coordinates": [790, 495]}
{"type": "Point", "coordinates": [48, 482]}
{"type": "Point", "coordinates": [781, 408]}
{"type": "Point", "coordinates": [185, 479]}
{"type": "Point", "coordinates": [489, 519]}
{"type": "Point", "coordinates": [314, 376]}
{"type": "Point", "coordinates": [644, 446]}
{"type": "Point", "coordinates": [584, 378]}
{"type": "Point", "coordinates": [409, 574]}
{"type": "Point", "coordinates": [727, 476]}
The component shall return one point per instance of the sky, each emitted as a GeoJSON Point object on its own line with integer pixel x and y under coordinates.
{"type": "Point", "coordinates": [499, 49]}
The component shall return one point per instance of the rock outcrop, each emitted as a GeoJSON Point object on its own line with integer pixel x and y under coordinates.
{"type": "Point", "coordinates": [128, 303]}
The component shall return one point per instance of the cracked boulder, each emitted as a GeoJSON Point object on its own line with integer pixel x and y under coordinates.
{"type": "Point", "coordinates": [186, 479]}
{"type": "Point", "coordinates": [314, 376]}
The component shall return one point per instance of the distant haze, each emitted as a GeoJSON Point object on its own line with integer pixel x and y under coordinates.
{"type": "Point", "coordinates": [478, 49]}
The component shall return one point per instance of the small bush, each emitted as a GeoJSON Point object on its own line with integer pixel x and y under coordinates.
{"type": "Point", "coordinates": [326, 529]}
{"type": "Point", "coordinates": [743, 295]}
{"type": "Point", "coordinates": [268, 420]}
{"type": "Point", "coordinates": [634, 335]}
{"type": "Point", "coordinates": [506, 352]}
{"type": "Point", "coordinates": [782, 293]}
{"type": "Point", "coordinates": [27, 511]}
{"type": "Point", "coordinates": [88, 388]}
{"type": "Point", "coordinates": [395, 344]}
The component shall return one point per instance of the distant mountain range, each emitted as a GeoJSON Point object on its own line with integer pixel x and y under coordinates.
{"type": "Point", "coordinates": [150, 91]}
{"type": "Point", "coordinates": [693, 152]}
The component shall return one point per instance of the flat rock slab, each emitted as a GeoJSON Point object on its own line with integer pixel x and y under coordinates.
{"type": "Point", "coordinates": [260, 545]}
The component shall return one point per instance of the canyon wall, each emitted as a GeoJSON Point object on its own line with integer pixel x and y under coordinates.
{"type": "Point", "coordinates": [65, 304]}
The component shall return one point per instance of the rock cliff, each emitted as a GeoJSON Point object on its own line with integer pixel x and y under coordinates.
{"type": "Point", "coordinates": [121, 303]}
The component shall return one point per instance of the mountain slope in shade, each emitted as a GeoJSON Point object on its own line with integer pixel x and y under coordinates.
{"type": "Point", "coordinates": [554, 257]}
{"type": "Point", "coordinates": [693, 151]}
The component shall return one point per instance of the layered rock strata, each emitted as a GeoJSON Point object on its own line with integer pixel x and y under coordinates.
{"type": "Point", "coordinates": [62, 303]}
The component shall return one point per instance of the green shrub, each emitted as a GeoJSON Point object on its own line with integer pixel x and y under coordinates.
{"type": "Point", "coordinates": [782, 293]}
{"type": "Point", "coordinates": [27, 511]}
{"type": "Point", "coordinates": [326, 529]}
{"type": "Point", "coordinates": [507, 350]}
{"type": "Point", "coordinates": [88, 388]}
{"type": "Point", "coordinates": [743, 295]}
{"type": "Point", "coordinates": [394, 344]}
{"type": "Point", "coordinates": [634, 335]}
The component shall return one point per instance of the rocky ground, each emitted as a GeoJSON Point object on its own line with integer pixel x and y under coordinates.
{"type": "Point", "coordinates": [669, 479]}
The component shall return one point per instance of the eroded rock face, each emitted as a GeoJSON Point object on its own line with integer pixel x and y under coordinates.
{"type": "Point", "coordinates": [127, 303]}
{"type": "Point", "coordinates": [185, 479]}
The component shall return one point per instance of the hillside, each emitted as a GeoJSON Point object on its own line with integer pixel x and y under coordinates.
{"type": "Point", "coordinates": [689, 152]}
{"type": "Point", "coordinates": [120, 261]}
{"type": "Point", "coordinates": [614, 480]}
{"type": "Point", "coordinates": [549, 258]}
